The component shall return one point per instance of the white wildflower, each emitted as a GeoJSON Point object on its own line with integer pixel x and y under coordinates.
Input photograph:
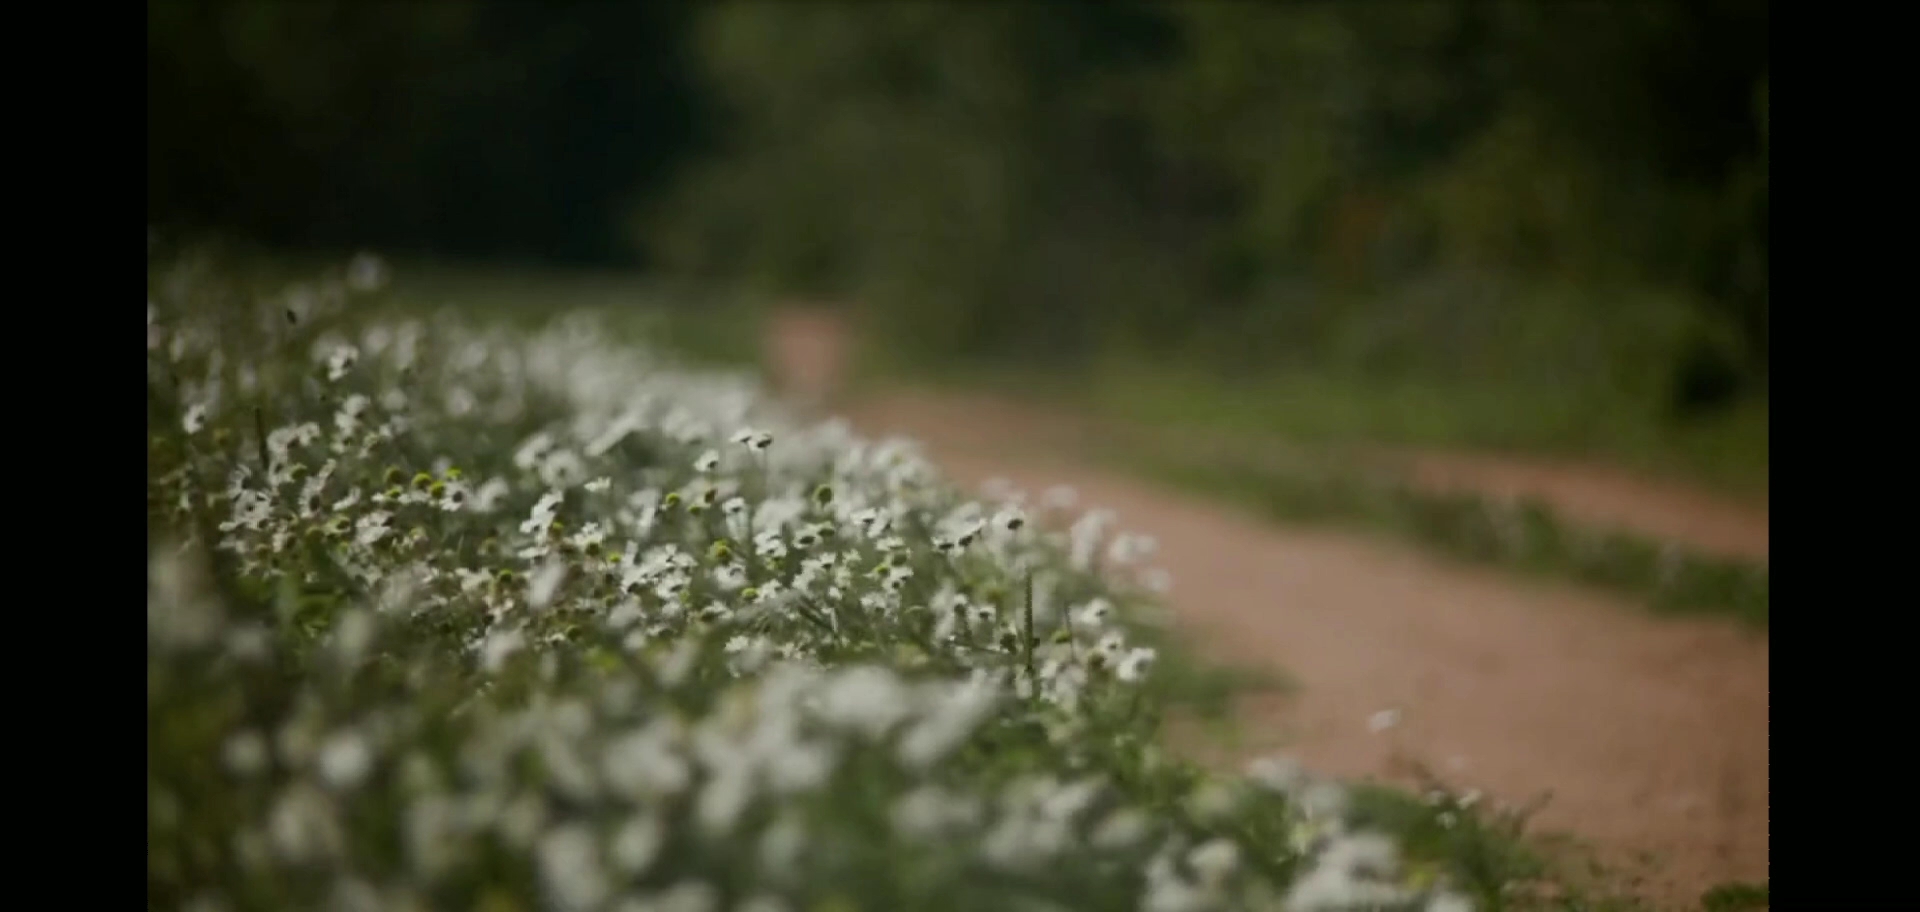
{"type": "Point", "coordinates": [1383, 720]}
{"type": "Point", "coordinates": [544, 583]}
{"type": "Point", "coordinates": [643, 765]}
{"type": "Point", "coordinates": [1133, 667]}
{"type": "Point", "coordinates": [304, 827]}
{"type": "Point", "coordinates": [762, 902]}
{"type": "Point", "coordinates": [723, 799]}
{"type": "Point", "coordinates": [1214, 860]}
{"type": "Point", "coordinates": [1094, 615]}
{"type": "Point", "coordinates": [1348, 873]}
{"type": "Point", "coordinates": [531, 450]}
{"type": "Point", "coordinates": [194, 419]}
{"type": "Point", "coordinates": [366, 273]}
{"type": "Point", "coordinates": [688, 896]}
{"type": "Point", "coordinates": [1213, 800]}
{"type": "Point", "coordinates": [1122, 829]}
{"type": "Point", "coordinates": [499, 647]}
{"type": "Point", "coordinates": [1059, 497]}
{"type": "Point", "coordinates": [782, 844]}
{"type": "Point", "coordinates": [570, 868]}
{"type": "Point", "coordinates": [354, 635]}
{"type": "Point", "coordinates": [345, 759]}
{"type": "Point", "coordinates": [637, 843]}
{"type": "Point", "coordinates": [1280, 774]}
{"type": "Point", "coordinates": [180, 612]}
{"type": "Point", "coordinates": [372, 527]}
{"type": "Point", "coordinates": [341, 360]}
{"type": "Point", "coordinates": [955, 713]}
{"type": "Point", "coordinates": [1324, 800]}
{"type": "Point", "coordinates": [521, 821]}
{"type": "Point", "coordinates": [491, 492]}
{"type": "Point", "coordinates": [868, 699]}
{"type": "Point", "coordinates": [245, 753]}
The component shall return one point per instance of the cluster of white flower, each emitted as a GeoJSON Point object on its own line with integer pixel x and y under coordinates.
{"type": "Point", "coordinates": [469, 617]}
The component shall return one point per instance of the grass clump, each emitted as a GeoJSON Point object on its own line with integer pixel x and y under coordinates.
{"type": "Point", "coordinates": [1735, 897]}
{"type": "Point", "coordinates": [1524, 535]}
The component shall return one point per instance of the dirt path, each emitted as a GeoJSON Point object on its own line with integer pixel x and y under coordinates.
{"type": "Point", "coordinates": [1651, 735]}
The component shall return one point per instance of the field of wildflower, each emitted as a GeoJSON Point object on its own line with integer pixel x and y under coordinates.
{"type": "Point", "coordinates": [446, 613]}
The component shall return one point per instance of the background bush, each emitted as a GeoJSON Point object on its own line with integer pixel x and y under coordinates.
{"type": "Point", "coordinates": [1570, 194]}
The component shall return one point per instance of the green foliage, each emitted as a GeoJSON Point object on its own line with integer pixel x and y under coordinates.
{"type": "Point", "coordinates": [1735, 897]}
{"type": "Point", "coordinates": [1048, 181]}
{"type": "Point", "coordinates": [1308, 187]}
{"type": "Point", "coordinates": [1526, 535]}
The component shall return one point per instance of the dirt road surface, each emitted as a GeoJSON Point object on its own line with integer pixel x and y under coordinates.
{"type": "Point", "coordinates": [1650, 734]}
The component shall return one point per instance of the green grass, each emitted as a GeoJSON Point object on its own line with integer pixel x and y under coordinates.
{"type": "Point", "coordinates": [1316, 482]}
{"type": "Point", "coordinates": [1506, 868]}
{"type": "Point", "coordinates": [1527, 537]}
{"type": "Point", "coordinates": [1735, 897]}
{"type": "Point", "coordinates": [1566, 372]}
{"type": "Point", "coordinates": [1288, 456]}
{"type": "Point", "coordinates": [1729, 453]}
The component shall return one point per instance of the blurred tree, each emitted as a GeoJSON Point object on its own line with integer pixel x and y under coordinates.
{"type": "Point", "coordinates": [460, 127]}
{"type": "Point", "coordinates": [1045, 175]}
{"type": "Point", "coordinates": [958, 157]}
{"type": "Point", "coordinates": [1249, 184]}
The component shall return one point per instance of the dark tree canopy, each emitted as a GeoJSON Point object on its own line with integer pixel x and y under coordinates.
{"type": "Point", "coordinates": [1038, 177]}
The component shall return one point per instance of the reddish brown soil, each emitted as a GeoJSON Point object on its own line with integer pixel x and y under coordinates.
{"type": "Point", "coordinates": [1650, 734]}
